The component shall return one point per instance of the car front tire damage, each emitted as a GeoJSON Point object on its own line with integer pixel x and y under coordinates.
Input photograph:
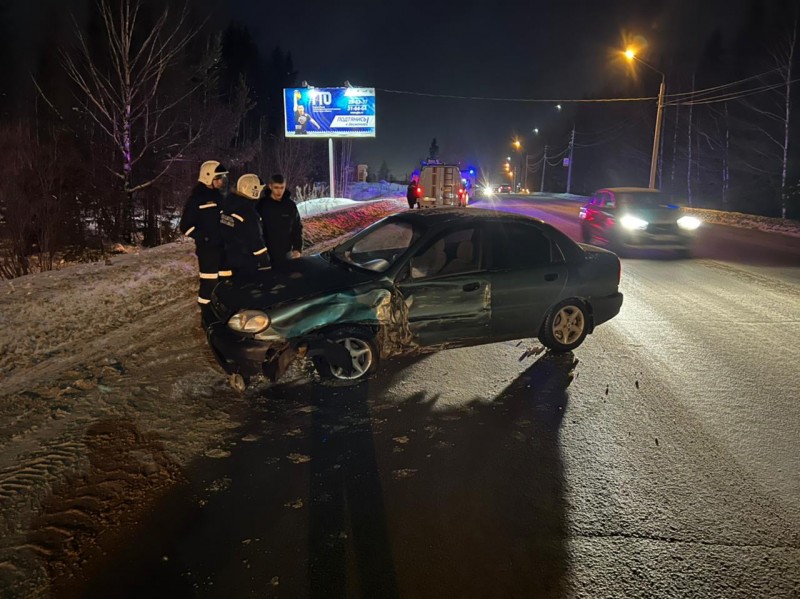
{"type": "Point", "coordinates": [359, 363]}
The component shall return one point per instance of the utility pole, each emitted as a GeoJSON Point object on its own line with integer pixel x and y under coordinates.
{"type": "Point", "coordinates": [527, 170]}
{"type": "Point", "coordinates": [330, 163]}
{"type": "Point", "coordinates": [569, 166]}
{"type": "Point", "coordinates": [544, 167]}
{"type": "Point", "coordinates": [657, 136]}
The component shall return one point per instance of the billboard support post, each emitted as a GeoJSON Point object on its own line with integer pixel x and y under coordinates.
{"type": "Point", "coordinates": [330, 163]}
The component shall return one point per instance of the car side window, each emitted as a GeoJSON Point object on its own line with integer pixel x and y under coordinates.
{"type": "Point", "coordinates": [452, 253]}
{"type": "Point", "coordinates": [609, 201]}
{"type": "Point", "coordinates": [514, 246]}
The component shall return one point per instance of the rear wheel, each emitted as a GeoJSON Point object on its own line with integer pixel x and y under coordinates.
{"type": "Point", "coordinates": [363, 350]}
{"type": "Point", "coordinates": [565, 326]}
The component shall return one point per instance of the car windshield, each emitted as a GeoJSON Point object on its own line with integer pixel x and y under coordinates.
{"type": "Point", "coordinates": [643, 199]}
{"type": "Point", "coordinates": [379, 246]}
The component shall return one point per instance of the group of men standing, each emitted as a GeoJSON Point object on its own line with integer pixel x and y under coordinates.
{"type": "Point", "coordinates": [239, 234]}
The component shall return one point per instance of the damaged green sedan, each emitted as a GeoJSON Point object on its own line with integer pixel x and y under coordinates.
{"type": "Point", "coordinates": [416, 281]}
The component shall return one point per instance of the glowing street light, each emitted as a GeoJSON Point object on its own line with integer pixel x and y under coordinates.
{"type": "Point", "coordinates": [630, 54]}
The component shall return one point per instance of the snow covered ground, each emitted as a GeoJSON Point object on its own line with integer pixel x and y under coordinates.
{"type": "Point", "coordinates": [108, 391]}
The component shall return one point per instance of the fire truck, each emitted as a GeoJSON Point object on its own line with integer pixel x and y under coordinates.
{"type": "Point", "coordinates": [441, 185]}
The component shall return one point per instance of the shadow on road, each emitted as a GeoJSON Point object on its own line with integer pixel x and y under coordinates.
{"type": "Point", "coordinates": [367, 491]}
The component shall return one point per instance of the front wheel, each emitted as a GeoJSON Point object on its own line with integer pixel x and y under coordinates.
{"type": "Point", "coordinates": [565, 326]}
{"type": "Point", "coordinates": [363, 351]}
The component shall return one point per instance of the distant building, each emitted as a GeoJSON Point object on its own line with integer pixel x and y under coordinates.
{"type": "Point", "coordinates": [362, 173]}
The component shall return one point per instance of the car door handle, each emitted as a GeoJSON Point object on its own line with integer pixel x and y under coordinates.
{"type": "Point", "coordinates": [471, 286]}
{"type": "Point", "coordinates": [551, 276]}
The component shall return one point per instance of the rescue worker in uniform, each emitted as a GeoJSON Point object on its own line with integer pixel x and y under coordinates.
{"type": "Point", "coordinates": [240, 227]}
{"type": "Point", "coordinates": [283, 229]}
{"type": "Point", "coordinates": [200, 221]}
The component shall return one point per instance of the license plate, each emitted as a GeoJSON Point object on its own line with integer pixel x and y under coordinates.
{"type": "Point", "coordinates": [664, 237]}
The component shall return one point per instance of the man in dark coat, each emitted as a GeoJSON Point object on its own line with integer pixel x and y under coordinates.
{"type": "Point", "coordinates": [412, 193]}
{"type": "Point", "coordinates": [241, 228]}
{"type": "Point", "coordinates": [200, 221]}
{"type": "Point", "coordinates": [283, 229]}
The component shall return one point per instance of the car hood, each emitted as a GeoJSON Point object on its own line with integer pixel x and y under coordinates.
{"type": "Point", "coordinates": [301, 278]}
{"type": "Point", "coordinates": [654, 214]}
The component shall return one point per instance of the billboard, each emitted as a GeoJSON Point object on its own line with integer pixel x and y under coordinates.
{"type": "Point", "coordinates": [329, 112]}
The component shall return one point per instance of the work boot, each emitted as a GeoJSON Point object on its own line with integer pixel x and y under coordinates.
{"type": "Point", "coordinates": [207, 316]}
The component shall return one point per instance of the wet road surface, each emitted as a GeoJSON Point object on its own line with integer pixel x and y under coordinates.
{"type": "Point", "coordinates": [660, 459]}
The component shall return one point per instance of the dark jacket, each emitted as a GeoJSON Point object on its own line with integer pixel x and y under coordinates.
{"type": "Point", "coordinates": [411, 192]}
{"type": "Point", "coordinates": [283, 229]}
{"type": "Point", "coordinates": [240, 227]}
{"type": "Point", "coordinates": [200, 218]}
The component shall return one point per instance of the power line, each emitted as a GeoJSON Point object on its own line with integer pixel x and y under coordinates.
{"type": "Point", "coordinates": [733, 95]}
{"type": "Point", "coordinates": [533, 100]}
{"type": "Point", "coordinates": [723, 86]}
{"type": "Point", "coordinates": [691, 95]}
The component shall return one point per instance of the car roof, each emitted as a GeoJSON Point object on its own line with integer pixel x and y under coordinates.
{"type": "Point", "coordinates": [445, 215]}
{"type": "Point", "coordinates": [629, 190]}
{"type": "Point", "coordinates": [441, 218]}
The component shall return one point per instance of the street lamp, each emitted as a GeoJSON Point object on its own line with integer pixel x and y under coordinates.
{"type": "Point", "coordinates": [630, 54]}
{"type": "Point", "coordinates": [517, 144]}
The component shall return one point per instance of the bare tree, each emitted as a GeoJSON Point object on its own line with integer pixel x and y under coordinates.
{"type": "Point", "coordinates": [689, 147]}
{"type": "Point", "coordinates": [126, 98]}
{"type": "Point", "coordinates": [770, 155]}
{"type": "Point", "coordinates": [292, 158]}
{"type": "Point", "coordinates": [345, 170]}
{"type": "Point", "coordinates": [33, 200]}
{"type": "Point", "coordinates": [785, 57]}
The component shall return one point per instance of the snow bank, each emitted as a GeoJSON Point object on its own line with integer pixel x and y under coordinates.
{"type": "Point", "coordinates": [322, 205]}
{"type": "Point", "coordinates": [748, 221]}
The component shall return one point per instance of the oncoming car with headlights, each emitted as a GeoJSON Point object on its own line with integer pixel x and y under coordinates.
{"type": "Point", "coordinates": [632, 217]}
{"type": "Point", "coordinates": [417, 281]}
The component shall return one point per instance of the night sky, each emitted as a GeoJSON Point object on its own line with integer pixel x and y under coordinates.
{"type": "Point", "coordinates": [500, 48]}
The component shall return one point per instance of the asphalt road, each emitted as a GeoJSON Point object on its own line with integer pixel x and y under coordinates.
{"type": "Point", "coordinates": [660, 460]}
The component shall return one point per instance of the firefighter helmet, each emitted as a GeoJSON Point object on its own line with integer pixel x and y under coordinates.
{"type": "Point", "coordinates": [210, 170]}
{"type": "Point", "coordinates": [250, 186]}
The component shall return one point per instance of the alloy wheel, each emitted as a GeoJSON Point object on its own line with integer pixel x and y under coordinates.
{"type": "Point", "coordinates": [568, 324]}
{"type": "Point", "coordinates": [361, 356]}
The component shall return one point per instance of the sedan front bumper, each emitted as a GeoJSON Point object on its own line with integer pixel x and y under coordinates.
{"type": "Point", "coordinates": [665, 238]}
{"type": "Point", "coordinates": [237, 354]}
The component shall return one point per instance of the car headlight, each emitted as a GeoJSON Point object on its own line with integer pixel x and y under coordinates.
{"type": "Point", "coordinates": [632, 222]}
{"type": "Point", "coordinates": [690, 223]}
{"type": "Point", "coordinates": [249, 321]}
